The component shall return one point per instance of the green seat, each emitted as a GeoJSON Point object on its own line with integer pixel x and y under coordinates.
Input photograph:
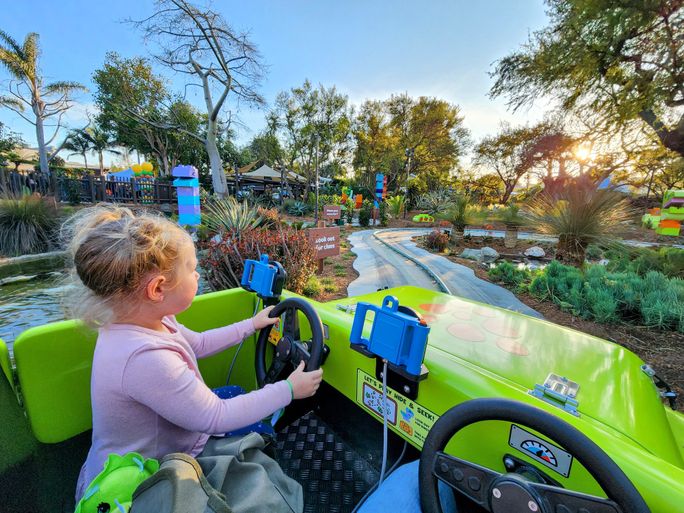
{"type": "Point", "coordinates": [5, 363]}
{"type": "Point", "coordinates": [53, 363]}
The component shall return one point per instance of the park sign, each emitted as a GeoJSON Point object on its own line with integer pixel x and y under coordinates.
{"type": "Point", "coordinates": [332, 212]}
{"type": "Point", "coordinates": [325, 241]}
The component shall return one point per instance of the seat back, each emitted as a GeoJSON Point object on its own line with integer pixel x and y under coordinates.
{"type": "Point", "coordinates": [54, 361]}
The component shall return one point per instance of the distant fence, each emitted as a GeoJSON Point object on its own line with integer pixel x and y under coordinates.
{"type": "Point", "coordinates": [89, 189]}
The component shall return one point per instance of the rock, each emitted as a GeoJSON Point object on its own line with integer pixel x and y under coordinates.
{"type": "Point", "coordinates": [603, 261]}
{"type": "Point", "coordinates": [471, 254]}
{"type": "Point", "coordinates": [488, 254]}
{"type": "Point", "coordinates": [535, 252]}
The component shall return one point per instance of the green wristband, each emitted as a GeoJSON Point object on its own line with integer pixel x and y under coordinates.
{"type": "Point", "coordinates": [291, 389]}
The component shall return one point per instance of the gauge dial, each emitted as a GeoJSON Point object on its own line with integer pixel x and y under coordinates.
{"type": "Point", "coordinates": [540, 451]}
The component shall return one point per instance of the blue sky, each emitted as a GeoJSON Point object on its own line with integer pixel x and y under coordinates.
{"type": "Point", "coordinates": [368, 49]}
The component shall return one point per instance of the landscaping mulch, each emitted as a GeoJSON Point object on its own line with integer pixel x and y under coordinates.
{"type": "Point", "coordinates": [338, 272]}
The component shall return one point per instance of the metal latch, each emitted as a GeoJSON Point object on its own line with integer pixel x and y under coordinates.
{"type": "Point", "coordinates": [558, 391]}
{"type": "Point", "coordinates": [660, 384]}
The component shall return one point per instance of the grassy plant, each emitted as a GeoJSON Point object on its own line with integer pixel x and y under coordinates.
{"type": "Point", "coordinates": [27, 225]}
{"type": "Point", "coordinates": [224, 215]}
{"type": "Point", "coordinates": [297, 208]}
{"type": "Point", "coordinates": [580, 214]}
{"type": "Point", "coordinates": [340, 273]}
{"type": "Point", "coordinates": [436, 202]}
{"type": "Point", "coordinates": [462, 213]}
{"type": "Point", "coordinates": [312, 288]}
{"type": "Point", "coordinates": [329, 285]}
{"type": "Point", "coordinates": [396, 206]}
{"type": "Point", "coordinates": [437, 240]}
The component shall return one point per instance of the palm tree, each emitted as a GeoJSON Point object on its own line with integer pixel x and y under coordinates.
{"type": "Point", "coordinates": [79, 143]}
{"type": "Point", "coordinates": [28, 91]}
{"type": "Point", "coordinates": [101, 141]}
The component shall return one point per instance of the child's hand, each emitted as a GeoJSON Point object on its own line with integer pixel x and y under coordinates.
{"type": "Point", "coordinates": [261, 320]}
{"type": "Point", "coordinates": [304, 384]}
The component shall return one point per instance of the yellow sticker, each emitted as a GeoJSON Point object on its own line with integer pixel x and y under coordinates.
{"type": "Point", "coordinates": [276, 333]}
{"type": "Point", "coordinates": [404, 415]}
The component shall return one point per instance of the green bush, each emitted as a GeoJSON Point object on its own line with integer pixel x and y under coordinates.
{"type": "Point", "coordinates": [312, 288]}
{"type": "Point", "coordinates": [365, 213]}
{"type": "Point", "coordinates": [396, 206]}
{"type": "Point", "coordinates": [383, 213]}
{"type": "Point", "coordinates": [669, 261]}
{"type": "Point", "coordinates": [594, 252]}
{"type": "Point", "coordinates": [653, 300]}
{"type": "Point", "coordinates": [27, 225]}
{"type": "Point", "coordinates": [350, 211]}
{"type": "Point", "coordinates": [297, 208]}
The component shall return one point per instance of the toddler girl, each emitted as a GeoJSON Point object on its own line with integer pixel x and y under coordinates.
{"type": "Point", "coordinates": [135, 273]}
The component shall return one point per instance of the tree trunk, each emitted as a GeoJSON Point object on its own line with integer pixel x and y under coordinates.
{"type": "Point", "coordinates": [85, 160]}
{"type": "Point", "coordinates": [570, 251]}
{"type": "Point", "coordinates": [218, 177]}
{"type": "Point", "coordinates": [101, 156]}
{"type": "Point", "coordinates": [42, 148]}
{"type": "Point", "coordinates": [511, 237]}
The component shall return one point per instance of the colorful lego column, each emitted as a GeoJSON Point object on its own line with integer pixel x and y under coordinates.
{"type": "Point", "coordinates": [672, 214]}
{"type": "Point", "coordinates": [380, 188]}
{"type": "Point", "coordinates": [187, 183]}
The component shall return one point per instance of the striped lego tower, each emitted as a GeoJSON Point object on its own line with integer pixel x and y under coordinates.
{"type": "Point", "coordinates": [187, 190]}
{"type": "Point", "coordinates": [672, 214]}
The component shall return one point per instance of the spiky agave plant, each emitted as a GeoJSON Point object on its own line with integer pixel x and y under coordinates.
{"type": "Point", "coordinates": [27, 225]}
{"type": "Point", "coordinates": [579, 215]}
{"type": "Point", "coordinates": [224, 215]}
{"type": "Point", "coordinates": [460, 213]}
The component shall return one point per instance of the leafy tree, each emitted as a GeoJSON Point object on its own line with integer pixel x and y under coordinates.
{"type": "Point", "coordinates": [316, 124]}
{"type": "Point", "coordinates": [200, 43]}
{"type": "Point", "coordinates": [101, 141]}
{"type": "Point", "coordinates": [621, 60]}
{"type": "Point", "coordinates": [266, 147]}
{"type": "Point", "coordinates": [27, 90]}
{"type": "Point", "coordinates": [377, 147]}
{"type": "Point", "coordinates": [9, 141]}
{"type": "Point", "coordinates": [510, 154]}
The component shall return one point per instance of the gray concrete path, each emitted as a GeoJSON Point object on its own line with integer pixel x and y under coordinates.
{"type": "Point", "coordinates": [380, 267]}
{"type": "Point", "coordinates": [460, 280]}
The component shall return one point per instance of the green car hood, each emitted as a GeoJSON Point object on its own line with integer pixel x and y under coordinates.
{"type": "Point", "coordinates": [522, 351]}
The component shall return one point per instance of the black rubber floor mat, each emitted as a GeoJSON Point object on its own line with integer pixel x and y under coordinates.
{"type": "Point", "coordinates": [334, 477]}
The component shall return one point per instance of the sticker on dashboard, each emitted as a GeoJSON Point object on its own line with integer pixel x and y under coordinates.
{"type": "Point", "coordinates": [540, 450]}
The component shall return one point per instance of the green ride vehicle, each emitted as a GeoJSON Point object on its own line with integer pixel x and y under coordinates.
{"type": "Point", "coordinates": [512, 413]}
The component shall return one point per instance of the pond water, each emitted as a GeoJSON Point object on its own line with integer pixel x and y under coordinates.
{"type": "Point", "coordinates": [26, 304]}
{"type": "Point", "coordinates": [30, 303]}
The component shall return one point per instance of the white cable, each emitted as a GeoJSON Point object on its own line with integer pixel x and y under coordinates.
{"type": "Point", "coordinates": [232, 364]}
{"type": "Point", "coordinates": [384, 422]}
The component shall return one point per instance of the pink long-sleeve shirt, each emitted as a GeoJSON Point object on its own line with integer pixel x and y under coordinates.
{"type": "Point", "coordinates": [148, 395]}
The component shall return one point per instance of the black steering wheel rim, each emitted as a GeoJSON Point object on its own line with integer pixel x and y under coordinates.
{"type": "Point", "coordinates": [291, 305]}
{"type": "Point", "coordinates": [603, 469]}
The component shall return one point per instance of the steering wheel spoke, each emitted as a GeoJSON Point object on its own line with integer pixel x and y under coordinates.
{"type": "Point", "coordinates": [466, 478]}
{"type": "Point", "coordinates": [566, 501]}
{"type": "Point", "coordinates": [300, 352]}
{"type": "Point", "coordinates": [291, 324]}
{"type": "Point", "coordinates": [274, 370]}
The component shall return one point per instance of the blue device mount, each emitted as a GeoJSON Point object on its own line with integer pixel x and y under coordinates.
{"type": "Point", "coordinates": [265, 278]}
{"type": "Point", "coordinates": [398, 335]}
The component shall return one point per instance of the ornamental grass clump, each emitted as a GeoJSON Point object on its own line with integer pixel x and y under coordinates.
{"type": "Point", "coordinates": [579, 214]}
{"type": "Point", "coordinates": [225, 215]}
{"type": "Point", "coordinates": [27, 225]}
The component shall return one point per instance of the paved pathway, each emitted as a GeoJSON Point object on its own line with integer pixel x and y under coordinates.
{"type": "Point", "coordinates": [379, 266]}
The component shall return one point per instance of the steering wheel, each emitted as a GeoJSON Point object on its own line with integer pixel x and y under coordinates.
{"type": "Point", "coordinates": [510, 493]}
{"type": "Point", "coordinates": [290, 349]}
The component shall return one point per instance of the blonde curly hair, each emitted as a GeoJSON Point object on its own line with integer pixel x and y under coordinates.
{"type": "Point", "coordinates": [113, 250]}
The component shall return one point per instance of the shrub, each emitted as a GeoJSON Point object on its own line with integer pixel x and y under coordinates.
{"type": "Point", "coordinates": [225, 215]}
{"type": "Point", "coordinates": [669, 261]}
{"type": "Point", "coordinates": [270, 217]}
{"type": "Point", "coordinates": [224, 259]}
{"type": "Point", "coordinates": [437, 240]}
{"type": "Point", "coordinates": [383, 213]}
{"type": "Point", "coordinates": [365, 213]}
{"type": "Point", "coordinates": [329, 285]}
{"type": "Point", "coordinates": [435, 202]}
{"type": "Point", "coordinates": [297, 208]}
{"type": "Point", "coordinates": [27, 225]}
{"type": "Point", "coordinates": [578, 215]}
{"type": "Point", "coordinates": [594, 252]}
{"type": "Point", "coordinates": [396, 206]}
{"type": "Point", "coordinates": [509, 274]}
{"type": "Point", "coordinates": [312, 287]}
{"type": "Point", "coordinates": [350, 211]}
